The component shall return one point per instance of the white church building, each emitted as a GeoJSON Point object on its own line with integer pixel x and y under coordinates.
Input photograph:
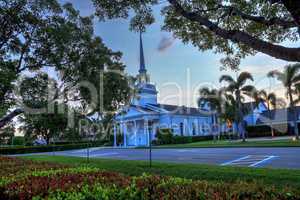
{"type": "Point", "coordinates": [137, 124]}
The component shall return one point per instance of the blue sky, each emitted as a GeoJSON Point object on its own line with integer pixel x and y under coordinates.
{"type": "Point", "coordinates": [181, 65]}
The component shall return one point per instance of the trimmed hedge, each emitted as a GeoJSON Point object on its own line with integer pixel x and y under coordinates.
{"type": "Point", "coordinates": [165, 136]}
{"type": "Point", "coordinates": [48, 148]}
{"type": "Point", "coordinates": [265, 130]}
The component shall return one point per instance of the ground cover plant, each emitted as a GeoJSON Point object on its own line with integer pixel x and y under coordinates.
{"type": "Point", "coordinates": [211, 173]}
{"type": "Point", "coordinates": [45, 180]}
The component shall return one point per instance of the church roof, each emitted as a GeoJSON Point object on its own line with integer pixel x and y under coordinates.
{"type": "Point", "coordinates": [279, 115]}
{"type": "Point", "coordinates": [147, 88]}
{"type": "Point", "coordinates": [180, 110]}
{"type": "Point", "coordinates": [144, 109]}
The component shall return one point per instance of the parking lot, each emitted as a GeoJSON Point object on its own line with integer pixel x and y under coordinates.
{"type": "Point", "coordinates": [247, 157]}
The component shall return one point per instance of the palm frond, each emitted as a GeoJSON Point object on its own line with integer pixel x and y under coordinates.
{"type": "Point", "coordinates": [226, 78]}
{"type": "Point", "coordinates": [243, 77]}
{"type": "Point", "coordinates": [263, 94]}
{"type": "Point", "coordinates": [274, 73]}
{"type": "Point", "coordinates": [280, 76]}
{"type": "Point", "coordinates": [249, 89]}
{"type": "Point", "coordinates": [292, 71]}
{"type": "Point", "coordinates": [296, 79]}
{"type": "Point", "coordinates": [231, 87]}
{"type": "Point", "coordinates": [271, 98]}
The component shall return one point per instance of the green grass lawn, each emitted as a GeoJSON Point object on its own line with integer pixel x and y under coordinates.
{"type": "Point", "coordinates": [277, 177]}
{"type": "Point", "coordinates": [227, 143]}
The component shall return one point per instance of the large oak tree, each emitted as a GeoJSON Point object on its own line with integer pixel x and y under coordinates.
{"type": "Point", "coordinates": [35, 35]}
{"type": "Point", "coordinates": [235, 27]}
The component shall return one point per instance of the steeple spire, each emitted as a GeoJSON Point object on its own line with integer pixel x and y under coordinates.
{"type": "Point", "coordinates": [142, 59]}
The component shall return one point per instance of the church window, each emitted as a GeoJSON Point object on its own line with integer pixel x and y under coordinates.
{"type": "Point", "coordinates": [194, 129]}
{"type": "Point", "coordinates": [181, 129]}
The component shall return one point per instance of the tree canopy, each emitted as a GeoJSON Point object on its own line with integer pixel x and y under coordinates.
{"type": "Point", "coordinates": [236, 28]}
{"type": "Point", "coordinates": [39, 35]}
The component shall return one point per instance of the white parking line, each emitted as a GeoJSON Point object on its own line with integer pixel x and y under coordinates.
{"type": "Point", "coordinates": [262, 161]}
{"type": "Point", "coordinates": [250, 160]}
{"type": "Point", "coordinates": [236, 160]}
{"type": "Point", "coordinates": [104, 154]}
{"type": "Point", "coordinates": [186, 150]}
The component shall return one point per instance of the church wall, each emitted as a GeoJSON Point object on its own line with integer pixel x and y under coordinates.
{"type": "Point", "coordinates": [186, 125]}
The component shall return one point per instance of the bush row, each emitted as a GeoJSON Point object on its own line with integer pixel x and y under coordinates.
{"type": "Point", "coordinates": [48, 148]}
{"type": "Point", "coordinates": [165, 136]}
{"type": "Point", "coordinates": [265, 130]}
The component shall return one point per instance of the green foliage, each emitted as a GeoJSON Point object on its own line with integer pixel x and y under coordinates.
{"type": "Point", "coordinates": [284, 129]}
{"type": "Point", "coordinates": [49, 148]}
{"type": "Point", "coordinates": [235, 28]}
{"type": "Point", "coordinates": [50, 182]}
{"type": "Point", "coordinates": [165, 136]}
{"type": "Point", "coordinates": [6, 135]}
{"type": "Point", "coordinates": [7, 76]}
{"type": "Point", "coordinates": [18, 141]}
{"type": "Point", "coordinates": [36, 35]}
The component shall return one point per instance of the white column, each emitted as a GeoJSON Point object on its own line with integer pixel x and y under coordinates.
{"type": "Point", "coordinates": [125, 134]}
{"type": "Point", "coordinates": [115, 135]}
{"type": "Point", "coordinates": [146, 130]}
{"type": "Point", "coordinates": [135, 133]}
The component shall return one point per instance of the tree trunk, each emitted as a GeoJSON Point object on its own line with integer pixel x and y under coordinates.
{"type": "Point", "coordinates": [295, 116]}
{"type": "Point", "coordinates": [8, 118]}
{"type": "Point", "coordinates": [241, 128]}
{"type": "Point", "coordinates": [271, 124]}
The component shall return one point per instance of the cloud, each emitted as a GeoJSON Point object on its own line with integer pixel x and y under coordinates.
{"type": "Point", "coordinates": [165, 43]}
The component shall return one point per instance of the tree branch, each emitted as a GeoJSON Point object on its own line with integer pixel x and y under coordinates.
{"type": "Point", "coordinates": [260, 19]}
{"type": "Point", "coordinates": [236, 36]}
{"type": "Point", "coordinates": [5, 120]}
{"type": "Point", "coordinates": [294, 8]}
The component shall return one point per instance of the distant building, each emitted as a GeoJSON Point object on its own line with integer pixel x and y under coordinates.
{"type": "Point", "coordinates": [137, 124]}
{"type": "Point", "coordinates": [253, 112]}
{"type": "Point", "coordinates": [260, 116]}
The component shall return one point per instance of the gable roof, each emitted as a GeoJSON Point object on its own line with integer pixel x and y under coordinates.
{"type": "Point", "coordinates": [278, 115]}
{"type": "Point", "coordinates": [179, 110]}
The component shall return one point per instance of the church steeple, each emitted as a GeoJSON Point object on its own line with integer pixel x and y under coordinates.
{"type": "Point", "coordinates": [143, 77]}
{"type": "Point", "coordinates": [147, 93]}
{"type": "Point", "coordinates": [142, 58]}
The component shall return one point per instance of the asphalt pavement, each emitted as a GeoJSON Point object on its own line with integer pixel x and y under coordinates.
{"type": "Point", "coordinates": [247, 157]}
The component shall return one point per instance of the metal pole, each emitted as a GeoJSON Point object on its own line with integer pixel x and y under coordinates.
{"type": "Point", "coordinates": [88, 152]}
{"type": "Point", "coordinates": [150, 143]}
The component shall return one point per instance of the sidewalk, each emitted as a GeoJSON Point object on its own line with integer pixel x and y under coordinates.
{"type": "Point", "coordinates": [270, 138]}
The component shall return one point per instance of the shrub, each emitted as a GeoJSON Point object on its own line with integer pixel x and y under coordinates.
{"type": "Point", "coordinates": [48, 148]}
{"type": "Point", "coordinates": [265, 130]}
{"type": "Point", "coordinates": [53, 181]}
{"type": "Point", "coordinates": [165, 136]}
{"type": "Point", "coordinates": [18, 140]}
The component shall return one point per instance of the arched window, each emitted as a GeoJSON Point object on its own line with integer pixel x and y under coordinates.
{"type": "Point", "coordinates": [181, 129]}
{"type": "Point", "coordinates": [194, 129]}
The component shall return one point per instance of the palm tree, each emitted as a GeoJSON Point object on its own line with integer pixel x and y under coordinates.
{"type": "Point", "coordinates": [290, 78]}
{"type": "Point", "coordinates": [237, 88]}
{"type": "Point", "coordinates": [212, 98]}
{"type": "Point", "coordinates": [269, 99]}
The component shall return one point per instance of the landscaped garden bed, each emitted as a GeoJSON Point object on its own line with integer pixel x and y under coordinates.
{"type": "Point", "coordinates": [24, 179]}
